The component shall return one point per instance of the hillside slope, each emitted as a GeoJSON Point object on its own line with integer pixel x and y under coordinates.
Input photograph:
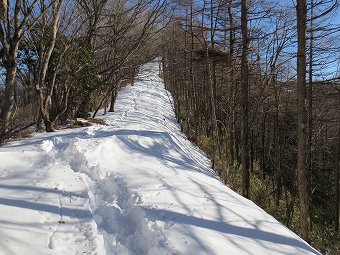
{"type": "Point", "coordinates": [137, 186]}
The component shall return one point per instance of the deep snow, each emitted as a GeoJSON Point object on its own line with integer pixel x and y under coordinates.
{"type": "Point", "coordinates": [137, 186]}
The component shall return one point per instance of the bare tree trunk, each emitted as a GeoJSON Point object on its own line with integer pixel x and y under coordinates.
{"type": "Point", "coordinates": [210, 81]}
{"type": "Point", "coordinates": [45, 98]}
{"type": "Point", "coordinates": [244, 101]}
{"type": "Point", "coordinates": [310, 106]}
{"type": "Point", "coordinates": [232, 84]}
{"type": "Point", "coordinates": [9, 102]}
{"type": "Point", "coordinates": [302, 121]}
{"type": "Point", "coordinates": [11, 33]}
{"type": "Point", "coordinates": [3, 6]}
{"type": "Point", "coordinates": [113, 99]}
{"type": "Point", "coordinates": [337, 173]}
{"type": "Point", "coordinates": [192, 78]}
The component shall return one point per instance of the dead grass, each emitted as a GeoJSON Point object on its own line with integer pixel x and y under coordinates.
{"type": "Point", "coordinates": [79, 122]}
{"type": "Point", "coordinates": [97, 121]}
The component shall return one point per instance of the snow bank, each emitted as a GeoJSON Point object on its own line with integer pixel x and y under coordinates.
{"type": "Point", "coordinates": [137, 186]}
{"type": "Point", "coordinates": [46, 145]}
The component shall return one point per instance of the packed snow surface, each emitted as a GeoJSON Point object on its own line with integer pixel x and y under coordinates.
{"type": "Point", "coordinates": [136, 186]}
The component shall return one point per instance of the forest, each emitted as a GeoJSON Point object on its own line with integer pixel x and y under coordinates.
{"type": "Point", "coordinates": [255, 84]}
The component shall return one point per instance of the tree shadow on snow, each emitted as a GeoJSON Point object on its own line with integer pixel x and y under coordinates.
{"type": "Point", "coordinates": [71, 212]}
{"type": "Point", "coordinates": [163, 147]}
{"type": "Point", "coordinates": [256, 234]}
{"type": "Point", "coordinates": [21, 188]}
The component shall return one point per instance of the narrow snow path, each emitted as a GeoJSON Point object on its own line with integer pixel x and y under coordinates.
{"type": "Point", "coordinates": [137, 186]}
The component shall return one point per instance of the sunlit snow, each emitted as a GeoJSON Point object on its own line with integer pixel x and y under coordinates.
{"type": "Point", "coordinates": [136, 186]}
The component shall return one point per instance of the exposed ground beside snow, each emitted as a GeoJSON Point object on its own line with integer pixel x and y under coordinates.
{"type": "Point", "coordinates": [137, 186]}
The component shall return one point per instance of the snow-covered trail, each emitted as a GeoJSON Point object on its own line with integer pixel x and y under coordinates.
{"type": "Point", "coordinates": [137, 186]}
